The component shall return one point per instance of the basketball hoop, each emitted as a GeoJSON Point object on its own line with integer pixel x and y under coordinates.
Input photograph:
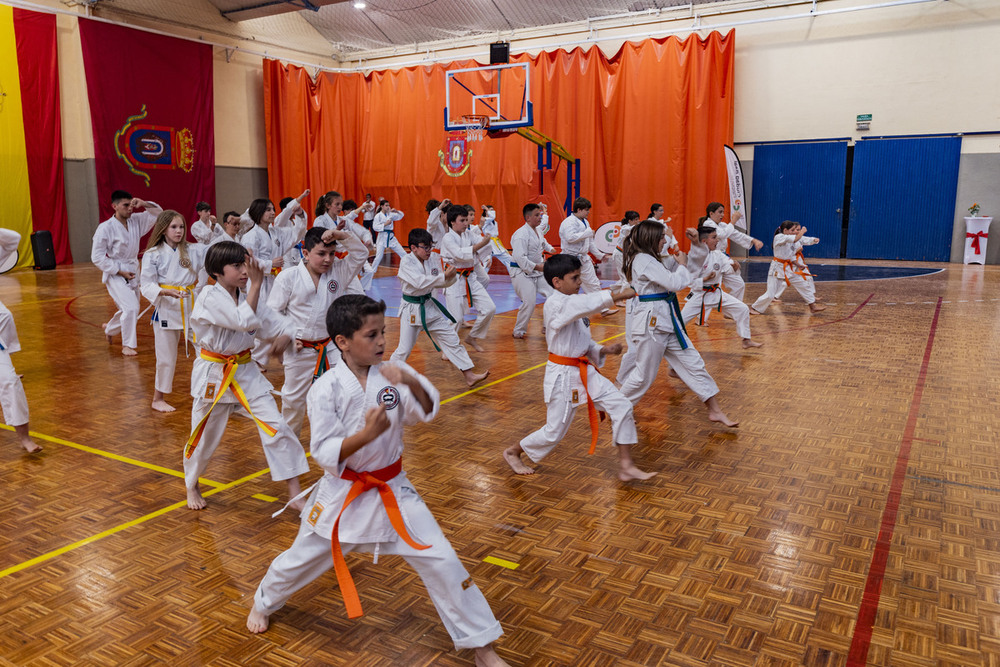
{"type": "Point", "coordinates": [475, 127]}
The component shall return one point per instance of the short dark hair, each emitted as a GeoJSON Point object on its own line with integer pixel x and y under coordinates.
{"type": "Point", "coordinates": [557, 266]}
{"type": "Point", "coordinates": [221, 255]}
{"type": "Point", "coordinates": [202, 206]}
{"type": "Point", "coordinates": [419, 235]}
{"type": "Point", "coordinates": [529, 209]}
{"type": "Point", "coordinates": [119, 195]}
{"type": "Point", "coordinates": [454, 212]}
{"type": "Point", "coordinates": [704, 232]}
{"type": "Point", "coordinates": [347, 314]}
{"type": "Point", "coordinates": [257, 209]}
{"type": "Point", "coordinates": [225, 216]}
{"type": "Point", "coordinates": [432, 204]}
{"type": "Point", "coordinates": [285, 202]}
{"type": "Point", "coordinates": [314, 237]}
{"type": "Point", "coordinates": [350, 204]}
{"type": "Point", "coordinates": [581, 203]}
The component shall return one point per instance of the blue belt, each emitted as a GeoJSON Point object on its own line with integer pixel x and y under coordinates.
{"type": "Point", "coordinates": [675, 313]}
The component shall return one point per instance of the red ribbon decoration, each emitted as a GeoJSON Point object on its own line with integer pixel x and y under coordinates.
{"type": "Point", "coordinates": [975, 239]}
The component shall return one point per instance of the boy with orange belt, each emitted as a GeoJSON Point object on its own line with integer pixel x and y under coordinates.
{"type": "Point", "coordinates": [365, 502]}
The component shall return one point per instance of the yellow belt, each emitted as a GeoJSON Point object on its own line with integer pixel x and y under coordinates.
{"type": "Point", "coordinates": [184, 325]}
{"type": "Point", "coordinates": [231, 362]}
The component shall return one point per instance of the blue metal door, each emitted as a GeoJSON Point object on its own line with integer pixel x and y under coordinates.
{"type": "Point", "coordinates": [802, 182]}
{"type": "Point", "coordinates": [903, 199]}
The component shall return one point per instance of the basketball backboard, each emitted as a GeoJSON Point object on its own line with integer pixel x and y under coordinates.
{"type": "Point", "coordinates": [501, 92]}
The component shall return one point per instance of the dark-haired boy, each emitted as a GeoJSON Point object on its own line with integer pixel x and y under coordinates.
{"type": "Point", "coordinates": [571, 377]}
{"type": "Point", "coordinates": [365, 502]}
{"type": "Point", "coordinates": [331, 258]}
{"type": "Point", "coordinates": [224, 378]}
{"type": "Point", "coordinates": [205, 228]}
{"type": "Point", "coordinates": [115, 251]}
{"type": "Point", "coordinates": [458, 249]}
{"type": "Point", "coordinates": [577, 239]}
{"type": "Point", "coordinates": [526, 270]}
{"type": "Point", "coordinates": [420, 273]}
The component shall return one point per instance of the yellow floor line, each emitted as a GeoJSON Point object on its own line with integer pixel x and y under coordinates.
{"type": "Point", "coordinates": [218, 487]}
{"type": "Point", "coordinates": [492, 560]}
{"type": "Point", "coordinates": [116, 457]}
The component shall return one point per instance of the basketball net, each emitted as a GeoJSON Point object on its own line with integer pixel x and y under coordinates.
{"type": "Point", "coordinates": [475, 129]}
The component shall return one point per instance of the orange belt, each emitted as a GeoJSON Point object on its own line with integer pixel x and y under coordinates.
{"type": "Point", "coordinates": [465, 274]}
{"type": "Point", "coordinates": [592, 414]}
{"type": "Point", "coordinates": [231, 361]}
{"type": "Point", "coordinates": [365, 481]}
{"type": "Point", "coordinates": [322, 365]}
{"type": "Point", "coordinates": [790, 264]}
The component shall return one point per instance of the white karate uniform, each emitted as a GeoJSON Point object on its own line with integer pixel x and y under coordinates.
{"type": "Point", "coordinates": [225, 327]}
{"type": "Point", "coordinates": [787, 261]}
{"type": "Point", "coordinates": [116, 248]}
{"type": "Point", "coordinates": [576, 238]}
{"type": "Point", "coordinates": [383, 224]}
{"type": "Point", "coordinates": [337, 407]}
{"type": "Point", "coordinates": [726, 231]}
{"type": "Point", "coordinates": [456, 250]}
{"type": "Point", "coordinates": [293, 256]}
{"type": "Point", "coordinates": [528, 248]}
{"type": "Point", "coordinates": [161, 266]}
{"type": "Point", "coordinates": [418, 279]}
{"type": "Point", "coordinates": [9, 241]}
{"type": "Point", "coordinates": [304, 304]}
{"type": "Point", "coordinates": [568, 335]}
{"type": "Point", "coordinates": [267, 245]}
{"type": "Point", "coordinates": [12, 399]}
{"type": "Point", "coordinates": [653, 335]}
{"type": "Point", "coordinates": [699, 300]}
{"type": "Point", "coordinates": [436, 226]}
{"type": "Point", "coordinates": [363, 280]}
{"type": "Point", "coordinates": [204, 233]}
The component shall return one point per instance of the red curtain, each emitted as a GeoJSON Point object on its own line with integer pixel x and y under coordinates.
{"type": "Point", "coordinates": [648, 124]}
{"type": "Point", "coordinates": [38, 72]}
{"type": "Point", "coordinates": [151, 107]}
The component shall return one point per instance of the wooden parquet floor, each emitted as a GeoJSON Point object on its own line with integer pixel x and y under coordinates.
{"type": "Point", "coordinates": [852, 519]}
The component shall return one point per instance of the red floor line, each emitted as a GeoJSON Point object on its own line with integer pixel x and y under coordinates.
{"type": "Point", "coordinates": [861, 641]}
{"type": "Point", "coordinates": [69, 312]}
{"type": "Point", "coordinates": [808, 326]}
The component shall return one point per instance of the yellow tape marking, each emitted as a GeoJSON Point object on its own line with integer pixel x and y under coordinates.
{"type": "Point", "coordinates": [501, 562]}
{"type": "Point", "coordinates": [265, 498]}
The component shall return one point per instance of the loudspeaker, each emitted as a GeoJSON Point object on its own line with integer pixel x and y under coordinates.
{"type": "Point", "coordinates": [41, 246]}
{"type": "Point", "coordinates": [499, 53]}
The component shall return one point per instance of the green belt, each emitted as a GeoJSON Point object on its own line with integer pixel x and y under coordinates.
{"type": "Point", "coordinates": [675, 313]}
{"type": "Point", "coordinates": [421, 300]}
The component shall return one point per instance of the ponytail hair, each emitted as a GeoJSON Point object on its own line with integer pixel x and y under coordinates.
{"type": "Point", "coordinates": [630, 217]}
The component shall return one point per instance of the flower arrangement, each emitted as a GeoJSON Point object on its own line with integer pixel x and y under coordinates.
{"type": "Point", "coordinates": [974, 209]}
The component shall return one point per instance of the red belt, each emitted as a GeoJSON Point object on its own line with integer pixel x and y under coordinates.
{"type": "Point", "coordinates": [592, 414]}
{"type": "Point", "coordinates": [365, 481]}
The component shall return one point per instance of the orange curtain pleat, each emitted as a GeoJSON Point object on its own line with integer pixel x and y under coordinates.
{"type": "Point", "coordinates": [648, 124]}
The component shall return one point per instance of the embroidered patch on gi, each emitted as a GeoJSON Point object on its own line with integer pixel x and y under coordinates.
{"type": "Point", "coordinates": [467, 584]}
{"type": "Point", "coordinates": [413, 319]}
{"type": "Point", "coordinates": [332, 286]}
{"type": "Point", "coordinates": [314, 513]}
{"type": "Point", "coordinates": [389, 397]}
{"type": "Point", "coordinates": [210, 391]}
{"type": "Point", "coordinates": [163, 323]}
{"type": "Point", "coordinates": [576, 396]}
{"type": "Point", "coordinates": [434, 272]}
{"type": "Point", "coordinates": [652, 321]}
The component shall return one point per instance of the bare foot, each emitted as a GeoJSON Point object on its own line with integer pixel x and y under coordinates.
{"type": "Point", "coordinates": [472, 379]}
{"type": "Point", "coordinates": [674, 374]}
{"type": "Point", "coordinates": [609, 311]}
{"type": "Point", "coordinates": [775, 300]}
{"type": "Point", "coordinates": [474, 344]}
{"type": "Point", "coordinates": [519, 336]}
{"type": "Point", "coordinates": [444, 357]}
{"type": "Point", "coordinates": [630, 472]}
{"type": "Point", "coordinates": [467, 324]}
{"type": "Point", "coordinates": [163, 406]}
{"type": "Point", "coordinates": [754, 312]}
{"type": "Point", "coordinates": [512, 455]}
{"type": "Point", "coordinates": [257, 622]}
{"type": "Point", "coordinates": [720, 416]}
{"type": "Point", "coordinates": [487, 657]}
{"type": "Point", "coordinates": [129, 352]}
{"type": "Point", "coordinates": [816, 307]}
{"type": "Point", "coordinates": [195, 500]}
{"type": "Point", "coordinates": [749, 343]}
{"type": "Point", "coordinates": [31, 446]}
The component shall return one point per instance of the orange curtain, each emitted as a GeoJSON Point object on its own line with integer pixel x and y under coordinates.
{"type": "Point", "coordinates": [648, 124]}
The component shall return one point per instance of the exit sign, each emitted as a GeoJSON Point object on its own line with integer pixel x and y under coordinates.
{"type": "Point", "coordinates": [864, 118]}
